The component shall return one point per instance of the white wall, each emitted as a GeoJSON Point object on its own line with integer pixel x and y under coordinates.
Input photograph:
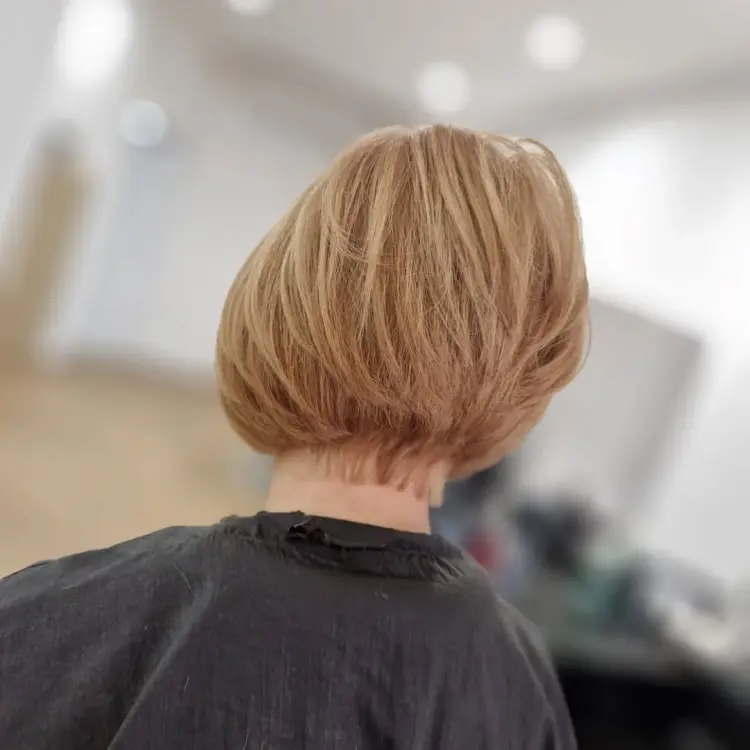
{"type": "Point", "coordinates": [27, 30]}
{"type": "Point", "coordinates": [182, 218]}
{"type": "Point", "coordinates": [664, 198]}
{"type": "Point", "coordinates": [179, 220]}
{"type": "Point", "coordinates": [184, 222]}
{"type": "Point", "coordinates": [604, 435]}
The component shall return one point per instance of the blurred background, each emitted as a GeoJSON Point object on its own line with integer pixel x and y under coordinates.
{"type": "Point", "coordinates": [146, 146]}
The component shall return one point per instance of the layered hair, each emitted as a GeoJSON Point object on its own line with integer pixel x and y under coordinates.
{"type": "Point", "coordinates": [420, 302]}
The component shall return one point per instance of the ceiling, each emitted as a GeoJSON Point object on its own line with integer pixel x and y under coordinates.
{"type": "Point", "coordinates": [374, 50]}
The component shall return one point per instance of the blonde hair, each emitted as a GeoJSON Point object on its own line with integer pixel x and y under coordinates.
{"type": "Point", "coordinates": [421, 301]}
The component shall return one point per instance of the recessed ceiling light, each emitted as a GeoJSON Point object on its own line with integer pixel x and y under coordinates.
{"type": "Point", "coordinates": [143, 123]}
{"type": "Point", "coordinates": [555, 42]}
{"type": "Point", "coordinates": [251, 7]}
{"type": "Point", "coordinates": [92, 40]}
{"type": "Point", "coordinates": [444, 88]}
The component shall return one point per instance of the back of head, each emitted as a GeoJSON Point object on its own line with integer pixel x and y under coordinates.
{"type": "Point", "coordinates": [420, 302]}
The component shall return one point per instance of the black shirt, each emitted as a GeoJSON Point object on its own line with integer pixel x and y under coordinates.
{"type": "Point", "coordinates": [275, 632]}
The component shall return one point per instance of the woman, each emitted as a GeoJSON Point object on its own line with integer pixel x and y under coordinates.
{"type": "Point", "coordinates": [407, 321]}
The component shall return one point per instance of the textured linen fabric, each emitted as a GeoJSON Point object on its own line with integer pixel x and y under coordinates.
{"type": "Point", "coordinates": [280, 631]}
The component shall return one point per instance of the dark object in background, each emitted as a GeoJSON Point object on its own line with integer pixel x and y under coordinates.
{"type": "Point", "coordinates": [613, 601]}
{"type": "Point", "coordinates": [557, 532]}
{"type": "Point", "coordinates": [613, 711]}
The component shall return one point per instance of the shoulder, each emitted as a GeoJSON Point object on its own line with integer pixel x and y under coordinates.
{"type": "Point", "coordinates": [465, 608]}
{"type": "Point", "coordinates": [122, 566]}
{"type": "Point", "coordinates": [519, 650]}
{"type": "Point", "coordinates": [497, 674]}
{"type": "Point", "coordinates": [509, 665]}
{"type": "Point", "coordinates": [74, 630]}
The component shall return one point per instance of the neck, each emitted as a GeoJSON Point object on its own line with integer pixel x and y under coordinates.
{"type": "Point", "coordinates": [304, 483]}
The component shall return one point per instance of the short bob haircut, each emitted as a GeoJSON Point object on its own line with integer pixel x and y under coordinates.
{"type": "Point", "coordinates": [420, 303]}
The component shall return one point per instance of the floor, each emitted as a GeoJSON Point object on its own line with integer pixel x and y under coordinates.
{"type": "Point", "coordinates": [87, 460]}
